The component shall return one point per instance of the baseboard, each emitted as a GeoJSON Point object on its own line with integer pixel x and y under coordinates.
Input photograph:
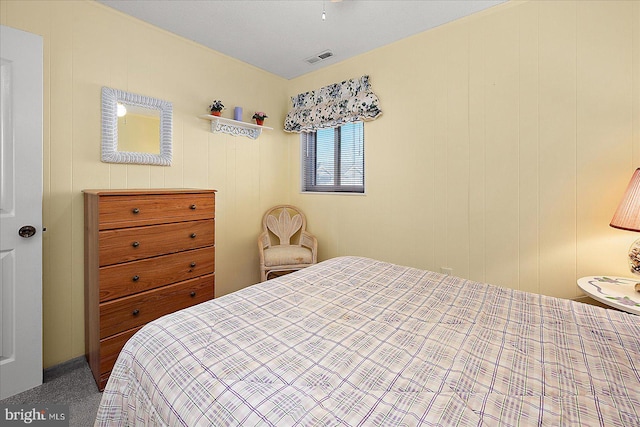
{"type": "Point", "coordinates": [56, 371]}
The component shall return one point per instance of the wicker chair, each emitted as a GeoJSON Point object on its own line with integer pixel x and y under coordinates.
{"type": "Point", "coordinates": [285, 244]}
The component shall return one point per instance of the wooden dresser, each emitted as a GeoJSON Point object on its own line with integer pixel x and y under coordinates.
{"type": "Point", "coordinates": [147, 253]}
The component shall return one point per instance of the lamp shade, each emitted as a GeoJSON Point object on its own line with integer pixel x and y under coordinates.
{"type": "Point", "coordinates": [627, 216]}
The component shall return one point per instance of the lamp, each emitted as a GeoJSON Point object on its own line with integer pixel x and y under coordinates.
{"type": "Point", "coordinates": [627, 217]}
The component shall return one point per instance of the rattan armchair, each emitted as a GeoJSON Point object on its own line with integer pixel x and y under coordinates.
{"type": "Point", "coordinates": [285, 244]}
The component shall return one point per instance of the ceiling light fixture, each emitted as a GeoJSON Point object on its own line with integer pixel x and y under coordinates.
{"type": "Point", "coordinates": [324, 14]}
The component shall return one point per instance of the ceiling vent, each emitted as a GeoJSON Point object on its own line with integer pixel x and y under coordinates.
{"type": "Point", "coordinates": [319, 57]}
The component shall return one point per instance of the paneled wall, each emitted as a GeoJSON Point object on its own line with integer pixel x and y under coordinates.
{"type": "Point", "coordinates": [506, 142]}
{"type": "Point", "coordinates": [88, 46]}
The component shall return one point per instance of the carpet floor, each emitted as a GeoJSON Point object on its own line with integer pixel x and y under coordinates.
{"type": "Point", "coordinates": [70, 383]}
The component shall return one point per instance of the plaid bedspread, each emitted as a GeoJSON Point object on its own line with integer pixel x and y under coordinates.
{"type": "Point", "coordinates": [358, 342]}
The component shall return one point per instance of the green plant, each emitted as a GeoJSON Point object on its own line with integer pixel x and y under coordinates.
{"type": "Point", "coordinates": [216, 106]}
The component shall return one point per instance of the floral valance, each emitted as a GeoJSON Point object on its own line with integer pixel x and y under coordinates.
{"type": "Point", "coordinates": [332, 106]}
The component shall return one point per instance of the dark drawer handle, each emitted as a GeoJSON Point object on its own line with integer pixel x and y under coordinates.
{"type": "Point", "coordinates": [193, 264]}
{"type": "Point", "coordinates": [136, 312]}
{"type": "Point", "coordinates": [135, 244]}
{"type": "Point", "coordinates": [193, 235]}
{"type": "Point", "coordinates": [135, 278]}
{"type": "Point", "coordinates": [193, 207]}
{"type": "Point", "coordinates": [135, 210]}
{"type": "Point", "coordinates": [193, 294]}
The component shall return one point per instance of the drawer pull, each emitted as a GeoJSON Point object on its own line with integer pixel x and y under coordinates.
{"type": "Point", "coordinates": [193, 235]}
{"type": "Point", "coordinates": [135, 278]}
{"type": "Point", "coordinates": [193, 294]}
{"type": "Point", "coordinates": [193, 264]}
{"type": "Point", "coordinates": [135, 244]}
{"type": "Point", "coordinates": [136, 312]}
{"type": "Point", "coordinates": [135, 210]}
{"type": "Point", "coordinates": [192, 207]}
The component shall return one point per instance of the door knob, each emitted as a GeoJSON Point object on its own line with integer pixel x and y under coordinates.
{"type": "Point", "coordinates": [27, 231]}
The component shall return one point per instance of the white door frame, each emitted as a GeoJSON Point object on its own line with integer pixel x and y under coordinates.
{"type": "Point", "coordinates": [21, 98]}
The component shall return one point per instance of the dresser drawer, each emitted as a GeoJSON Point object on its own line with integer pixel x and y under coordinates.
{"type": "Point", "coordinates": [134, 211]}
{"type": "Point", "coordinates": [133, 311]}
{"type": "Point", "coordinates": [129, 244]}
{"type": "Point", "coordinates": [110, 349]}
{"type": "Point", "coordinates": [137, 276]}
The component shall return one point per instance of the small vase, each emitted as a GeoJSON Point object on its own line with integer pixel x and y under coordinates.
{"type": "Point", "coordinates": [215, 113]}
{"type": "Point", "coordinates": [259, 122]}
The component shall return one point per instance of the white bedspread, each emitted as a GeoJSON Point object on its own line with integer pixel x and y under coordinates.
{"type": "Point", "coordinates": [358, 342]}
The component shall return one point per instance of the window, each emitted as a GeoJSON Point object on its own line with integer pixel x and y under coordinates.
{"type": "Point", "coordinates": [333, 159]}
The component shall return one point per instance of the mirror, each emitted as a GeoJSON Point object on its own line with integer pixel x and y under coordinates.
{"type": "Point", "coordinates": [139, 133]}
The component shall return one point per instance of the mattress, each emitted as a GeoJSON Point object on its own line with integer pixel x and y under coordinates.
{"type": "Point", "coordinates": [358, 342]}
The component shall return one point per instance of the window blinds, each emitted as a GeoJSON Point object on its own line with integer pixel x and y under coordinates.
{"type": "Point", "coordinates": [334, 159]}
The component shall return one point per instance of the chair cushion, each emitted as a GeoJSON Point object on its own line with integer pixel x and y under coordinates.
{"type": "Point", "coordinates": [286, 255]}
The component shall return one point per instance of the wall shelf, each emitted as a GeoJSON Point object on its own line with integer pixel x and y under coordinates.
{"type": "Point", "coordinates": [234, 127]}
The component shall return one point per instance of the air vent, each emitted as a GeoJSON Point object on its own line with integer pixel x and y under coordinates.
{"type": "Point", "coordinates": [319, 57]}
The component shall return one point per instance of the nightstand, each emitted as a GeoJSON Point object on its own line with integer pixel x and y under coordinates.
{"type": "Point", "coordinates": [616, 292]}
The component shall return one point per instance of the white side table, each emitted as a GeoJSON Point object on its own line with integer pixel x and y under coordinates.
{"type": "Point", "coordinates": [616, 292]}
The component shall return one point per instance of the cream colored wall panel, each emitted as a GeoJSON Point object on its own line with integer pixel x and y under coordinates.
{"type": "Point", "coordinates": [76, 326]}
{"type": "Point", "coordinates": [457, 152]}
{"type": "Point", "coordinates": [417, 243]}
{"type": "Point", "coordinates": [604, 132]}
{"type": "Point", "coordinates": [477, 142]}
{"type": "Point", "coordinates": [274, 158]}
{"type": "Point", "coordinates": [3, 12]}
{"type": "Point", "coordinates": [138, 176]}
{"type": "Point", "coordinates": [557, 67]}
{"type": "Point", "coordinates": [118, 176]}
{"type": "Point", "coordinates": [90, 37]}
{"type": "Point", "coordinates": [59, 219]}
{"type": "Point", "coordinates": [352, 240]}
{"type": "Point", "coordinates": [360, 219]}
{"type": "Point", "coordinates": [196, 149]}
{"type": "Point", "coordinates": [217, 153]}
{"type": "Point", "coordinates": [114, 42]}
{"type": "Point", "coordinates": [174, 175]}
{"type": "Point", "coordinates": [31, 16]}
{"type": "Point", "coordinates": [440, 127]}
{"type": "Point", "coordinates": [157, 178]}
{"type": "Point", "coordinates": [501, 150]}
{"type": "Point", "coordinates": [528, 139]}
{"type": "Point", "coordinates": [218, 180]}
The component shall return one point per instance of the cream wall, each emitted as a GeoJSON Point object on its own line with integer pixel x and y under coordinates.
{"type": "Point", "coordinates": [87, 46]}
{"type": "Point", "coordinates": [506, 141]}
{"type": "Point", "coordinates": [505, 144]}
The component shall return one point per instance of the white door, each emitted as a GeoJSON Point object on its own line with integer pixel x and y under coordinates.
{"type": "Point", "coordinates": [20, 211]}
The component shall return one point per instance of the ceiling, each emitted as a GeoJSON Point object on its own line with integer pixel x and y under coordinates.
{"type": "Point", "coordinates": [278, 36]}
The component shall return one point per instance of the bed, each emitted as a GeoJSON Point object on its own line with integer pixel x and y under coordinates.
{"type": "Point", "coordinates": [358, 342]}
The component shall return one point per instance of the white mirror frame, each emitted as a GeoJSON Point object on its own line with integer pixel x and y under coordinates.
{"type": "Point", "coordinates": [110, 154]}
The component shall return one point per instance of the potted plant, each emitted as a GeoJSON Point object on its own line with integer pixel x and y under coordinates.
{"type": "Point", "coordinates": [216, 107]}
{"type": "Point", "coordinates": [259, 116]}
